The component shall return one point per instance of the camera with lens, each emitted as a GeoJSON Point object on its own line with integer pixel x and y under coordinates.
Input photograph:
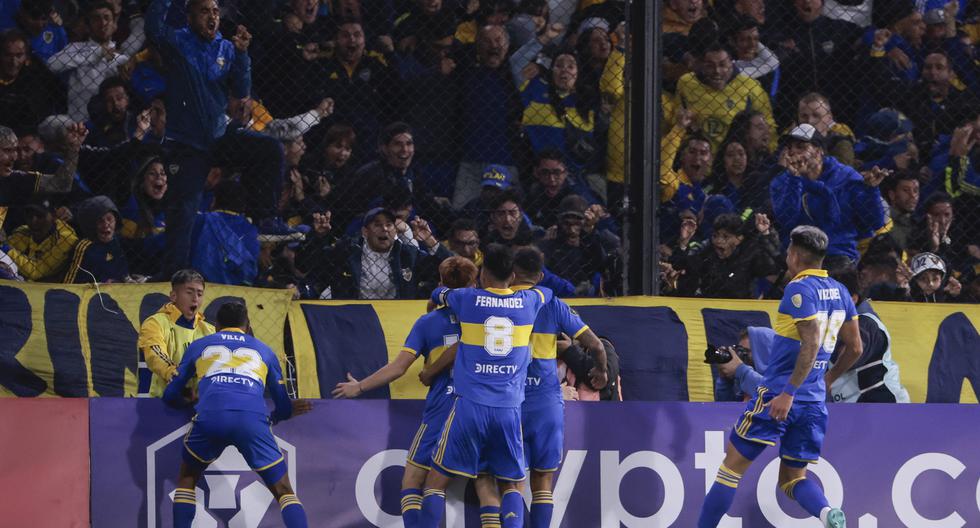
{"type": "Point", "coordinates": [717, 355]}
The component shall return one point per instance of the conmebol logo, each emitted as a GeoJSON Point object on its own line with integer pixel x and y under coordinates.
{"type": "Point", "coordinates": [232, 488]}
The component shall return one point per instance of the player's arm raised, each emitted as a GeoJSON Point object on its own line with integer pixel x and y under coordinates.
{"type": "Point", "coordinates": [430, 371]}
{"type": "Point", "coordinates": [353, 388]}
{"type": "Point", "coordinates": [853, 348]}
{"type": "Point", "coordinates": [599, 373]}
{"type": "Point", "coordinates": [809, 330]}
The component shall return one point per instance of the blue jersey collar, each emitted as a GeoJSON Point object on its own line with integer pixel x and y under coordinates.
{"type": "Point", "coordinates": [500, 291]}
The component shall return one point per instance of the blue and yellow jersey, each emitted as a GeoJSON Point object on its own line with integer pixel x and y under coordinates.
{"type": "Point", "coordinates": [545, 128]}
{"type": "Point", "coordinates": [542, 374]}
{"type": "Point", "coordinates": [430, 336]}
{"type": "Point", "coordinates": [233, 370]}
{"type": "Point", "coordinates": [494, 349]}
{"type": "Point", "coordinates": [810, 295]}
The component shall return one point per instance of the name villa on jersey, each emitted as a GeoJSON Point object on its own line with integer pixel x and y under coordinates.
{"type": "Point", "coordinates": [497, 302]}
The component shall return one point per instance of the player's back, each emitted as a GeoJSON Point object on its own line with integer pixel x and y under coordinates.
{"type": "Point", "coordinates": [232, 368]}
{"type": "Point", "coordinates": [494, 352]}
{"type": "Point", "coordinates": [811, 295]}
{"type": "Point", "coordinates": [542, 384]}
{"type": "Point", "coordinates": [430, 337]}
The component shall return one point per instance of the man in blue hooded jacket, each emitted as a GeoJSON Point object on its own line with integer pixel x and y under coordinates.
{"type": "Point", "coordinates": [812, 188]}
{"type": "Point", "coordinates": [202, 67]}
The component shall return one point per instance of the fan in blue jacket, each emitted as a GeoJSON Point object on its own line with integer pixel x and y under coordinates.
{"type": "Point", "coordinates": [815, 189]}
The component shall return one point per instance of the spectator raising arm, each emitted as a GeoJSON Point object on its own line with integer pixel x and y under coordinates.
{"type": "Point", "coordinates": [61, 180]}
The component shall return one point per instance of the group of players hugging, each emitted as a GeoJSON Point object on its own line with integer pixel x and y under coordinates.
{"type": "Point", "coordinates": [494, 411]}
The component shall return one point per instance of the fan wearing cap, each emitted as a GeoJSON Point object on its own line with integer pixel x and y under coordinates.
{"type": "Point", "coordinates": [886, 142]}
{"type": "Point", "coordinates": [42, 247]}
{"type": "Point", "coordinates": [928, 278]}
{"type": "Point", "coordinates": [574, 254]}
{"type": "Point", "coordinates": [815, 189]}
{"type": "Point", "coordinates": [495, 180]}
{"type": "Point", "coordinates": [375, 265]}
{"type": "Point", "coordinates": [98, 257]}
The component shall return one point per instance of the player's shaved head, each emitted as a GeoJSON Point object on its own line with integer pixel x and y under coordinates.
{"type": "Point", "coordinates": [457, 272]}
{"type": "Point", "coordinates": [498, 261]}
{"type": "Point", "coordinates": [232, 315]}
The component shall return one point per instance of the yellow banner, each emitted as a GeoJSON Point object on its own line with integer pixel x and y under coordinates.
{"type": "Point", "coordinates": [74, 340]}
{"type": "Point", "coordinates": [913, 327]}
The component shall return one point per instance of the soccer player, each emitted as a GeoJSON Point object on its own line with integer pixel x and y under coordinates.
{"type": "Point", "coordinates": [234, 370]}
{"type": "Point", "coordinates": [431, 336]}
{"type": "Point", "coordinates": [165, 335]}
{"type": "Point", "coordinates": [813, 311]}
{"type": "Point", "coordinates": [543, 410]}
{"type": "Point", "coordinates": [542, 413]}
{"type": "Point", "coordinates": [483, 430]}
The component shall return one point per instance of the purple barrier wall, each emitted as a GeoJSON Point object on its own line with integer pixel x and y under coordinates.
{"type": "Point", "coordinates": [630, 464]}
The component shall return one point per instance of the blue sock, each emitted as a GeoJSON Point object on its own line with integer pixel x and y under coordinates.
{"type": "Point", "coordinates": [293, 513]}
{"type": "Point", "coordinates": [808, 494]}
{"type": "Point", "coordinates": [512, 509]}
{"type": "Point", "coordinates": [542, 505]}
{"type": "Point", "coordinates": [411, 506]}
{"type": "Point", "coordinates": [490, 517]}
{"type": "Point", "coordinates": [719, 498]}
{"type": "Point", "coordinates": [185, 504]}
{"type": "Point", "coordinates": [433, 504]}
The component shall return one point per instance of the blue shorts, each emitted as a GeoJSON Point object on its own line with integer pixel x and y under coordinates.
{"type": "Point", "coordinates": [249, 432]}
{"type": "Point", "coordinates": [544, 435]}
{"type": "Point", "coordinates": [800, 435]}
{"type": "Point", "coordinates": [427, 437]}
{"type": "Point", "coordinates": [478, 438]}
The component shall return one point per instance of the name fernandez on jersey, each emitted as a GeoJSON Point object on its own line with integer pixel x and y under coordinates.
{"type": "Point", "coordinates": [515, 303]}
{"type": "Point", "coordinates": [495, 333]}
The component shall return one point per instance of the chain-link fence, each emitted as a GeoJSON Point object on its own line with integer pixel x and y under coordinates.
{"type": "Point", "coordinates": [339, 148]}
{"type": "Point", "coordinates": [860, 118]}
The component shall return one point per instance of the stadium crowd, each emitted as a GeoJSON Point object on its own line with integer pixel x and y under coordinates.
{"type": "Point", "coordinates": [863, 122]}
{"type": "Point", "coordinates": [344, 148]}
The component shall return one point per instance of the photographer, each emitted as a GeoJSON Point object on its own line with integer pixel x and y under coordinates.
{"type": "Point", "coordinates": [573, 368]}
{"type": "Point", "coordinates": [741, 374]}
{"type": "Point", "coordinates": [874, 377]}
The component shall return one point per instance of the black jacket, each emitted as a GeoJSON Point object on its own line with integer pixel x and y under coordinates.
{"type": "Point", "coordinates": [414, 272]}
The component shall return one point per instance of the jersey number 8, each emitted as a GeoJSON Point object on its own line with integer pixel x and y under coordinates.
{"type": "Point", "coordinates": [498, 336]}
{"type": "Point", "coordinates": [241, 361]}
{"type": "Point", "coordinates": [829, 328]}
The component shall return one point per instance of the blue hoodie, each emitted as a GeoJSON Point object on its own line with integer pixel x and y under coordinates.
{"type": "Point", "coordinates": [199, 76]}
{"type": "Point", "coordinates": [838, 202]}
